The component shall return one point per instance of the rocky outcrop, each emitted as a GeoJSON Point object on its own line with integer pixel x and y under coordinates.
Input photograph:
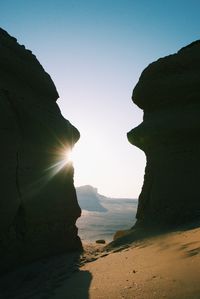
{"type": "Point", "coordinates": [169, 93]}
{"type": "Point", "coordinates": [89, 199]}
{"type": "Point", "coordinates": [38, 204]}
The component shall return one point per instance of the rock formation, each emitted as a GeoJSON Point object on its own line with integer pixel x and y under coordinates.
{"type": "Point", "coordinates": [89, 199]}
{"type": "Point", "coordinates": [169, 93]}
{"type": "Point", "coordinates": [38, 204]}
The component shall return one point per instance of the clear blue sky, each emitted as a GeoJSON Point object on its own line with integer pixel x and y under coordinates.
{"type": "Point", "coordinates": [95, 51]}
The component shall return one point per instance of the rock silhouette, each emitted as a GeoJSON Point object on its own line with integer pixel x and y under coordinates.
{"type": "Point", "coordinates": [38, 204]}
{"type": "Point", "coordinates": [169, 93]}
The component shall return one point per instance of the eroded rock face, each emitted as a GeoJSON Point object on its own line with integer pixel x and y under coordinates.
{"type": "Point", "coordinates": [169, 93]}
{"type": "Point", "coordinates": [38, 204]}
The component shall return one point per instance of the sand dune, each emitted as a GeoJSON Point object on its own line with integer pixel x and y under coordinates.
{"type": "Point", "coordinates": [166, 266]}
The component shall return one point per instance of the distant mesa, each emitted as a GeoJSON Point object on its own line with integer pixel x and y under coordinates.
{"type": "Point", "coordinates": [168, 91]}
{"type": "Point", "coordinates": [38, 204]}
{"type": "Point", "coordinates": [103, 216]}
{"type": "Point", "coordinates": [89, 199]}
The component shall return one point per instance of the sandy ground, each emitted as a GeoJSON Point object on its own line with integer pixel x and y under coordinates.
{"type": "Point", "coordinates": [166, 266]}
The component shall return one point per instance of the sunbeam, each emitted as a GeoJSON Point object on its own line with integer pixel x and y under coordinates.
{"type": "Point", "coordinates": [64, 158]}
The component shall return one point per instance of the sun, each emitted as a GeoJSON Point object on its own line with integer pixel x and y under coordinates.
{"type": "Point", "coordinates": [68, 156]}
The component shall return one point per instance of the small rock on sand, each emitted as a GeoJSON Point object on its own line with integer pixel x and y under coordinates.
{"type": "Point", "coordinates": [100, 241]}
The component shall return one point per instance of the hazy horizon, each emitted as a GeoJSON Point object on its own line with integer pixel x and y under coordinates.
{"type": "Point", "coordinates": [95, 52]}
{"type": "Point", "coordinates": [101, 216]}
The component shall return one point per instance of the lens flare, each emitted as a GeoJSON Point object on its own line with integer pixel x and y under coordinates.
{"type": "Point", "coordinates": [68, 156]}
{"type": "Point", "coordinates": [63, 159]}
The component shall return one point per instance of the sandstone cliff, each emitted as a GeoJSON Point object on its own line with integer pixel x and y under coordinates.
{"type": "Point", "coordinates": [169, 93]}
{"type": "Point", "coordinates": [38, 204]}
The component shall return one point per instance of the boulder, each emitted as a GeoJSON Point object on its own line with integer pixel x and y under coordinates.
{"type": "Point", "coordinates": [38, 203]}
{"type": "Point", "coordinates": [168, 91]}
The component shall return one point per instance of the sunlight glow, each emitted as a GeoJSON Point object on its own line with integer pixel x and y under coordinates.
{"type": "Point", "coordinates": [65, 159]}
{"type": "Point", "coordinates": [61, 160]}
{"type": "Point", "coordinates": [68, 156]}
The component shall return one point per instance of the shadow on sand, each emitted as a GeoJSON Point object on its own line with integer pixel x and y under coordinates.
{"type": "Point", "coordinates": [49, 278]}
{"type": "Point", "coordinates": [76, 287]}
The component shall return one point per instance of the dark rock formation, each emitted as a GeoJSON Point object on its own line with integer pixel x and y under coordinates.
{"type": "Point", "coordinates": [169, 93]}
{"type": "Point", "coordinates": [38, 204]}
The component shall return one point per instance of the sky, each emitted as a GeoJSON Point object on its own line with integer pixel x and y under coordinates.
{"type": "Point", "coordinates": [95, 51]}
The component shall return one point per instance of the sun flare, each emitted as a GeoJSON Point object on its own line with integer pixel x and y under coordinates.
{"type": "Point", "coordinates": [68, 156]}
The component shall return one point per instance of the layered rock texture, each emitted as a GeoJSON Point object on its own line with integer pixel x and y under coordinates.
{"type": "Point", "coordinates": [169, 93]}
{"type": "Point", "coordinates": [38, 204]}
